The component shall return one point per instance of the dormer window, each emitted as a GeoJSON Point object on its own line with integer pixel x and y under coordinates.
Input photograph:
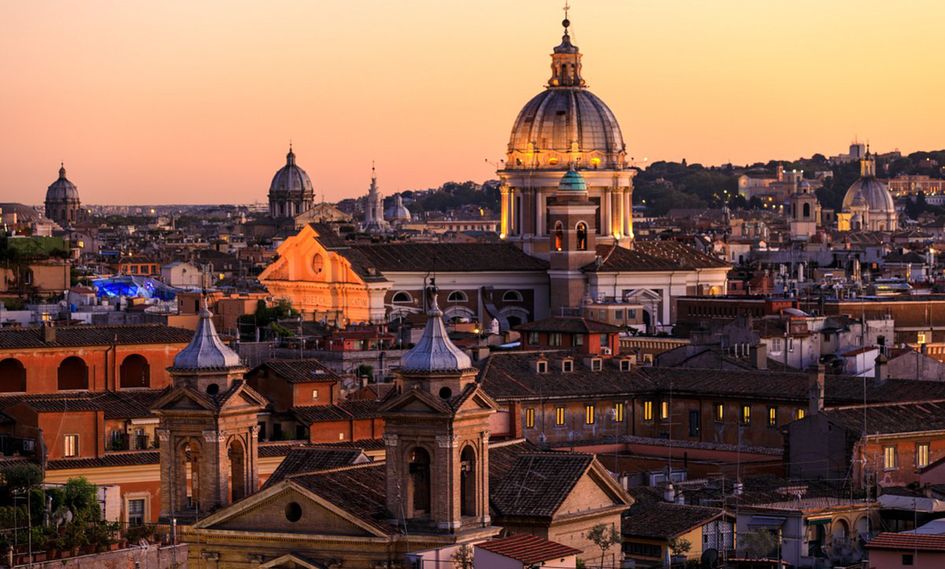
{"type": "Point", "coordinates": [402, 296]}
{"type": "Point", "coordinates": [625, 365]}
{"type": "Point", "coordinates": [567, 366]}
{"type": "Point", "coordinates": [597, 364]}
{"type": "Point", "coordinates": [541, 366]}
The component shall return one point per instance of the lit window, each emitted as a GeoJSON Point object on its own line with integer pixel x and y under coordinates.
{"type": "Point", "coordinates": [920, 338]}
{"type": "Point", "coordinates": [664, 410]}
{"type": "Point", "coordinates": [559, 416]}
{"type": "Point", "coordinates": [70, 446]}
{"type": "Point", "coordinates": [772, 416]}
{"type": "Point", "coordinates": [800, 414]}
{"type": "Point", "coordinates": [618, 412]}
{"type": "Point", "coordinates": [314, 395]}
{"type": "Point", "coordinates": [719, 412]}
{"type": "Point", "coordinates": [647, 410]}
{"type": "Point", "coordinates": [922, 454]}
{"type": "Point", "coordinates": [746, 414]}
{"type": "Point", "coordinates": [136, 512]}
{"type": "Point", "coordinates": [529, 417]}
{"type": "Point", "coordinates": [567, 366]}
{"type": "Point", "coordinates": [589, 414]}
{"type": "Point", "coordinates": [889, 458]}
{"type": "Point", "coordinates": [542, 366]}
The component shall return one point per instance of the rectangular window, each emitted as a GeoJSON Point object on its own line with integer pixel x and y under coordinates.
{"type": "Point", "coordinates": [542, 367]}
{"type": "Point", "coordinates": [664, 410]}
{"type": "Point", "coordinates": [695, 423]}
{"type": "Point", "coordinates": [578, 339]}
{"type": "Point", "coordinates": [633, 313]}
{"type": "Point", "coordinates": [567, 366]}
{"type": "Point", "coordinates": [554, 339]}
{"type": "Point", "coordinates": [589, 414]}
{"type": "Point", "coordinates": [618, 412]}
{"type": "Point", "coordinates": [790, 344]}
{"type": "Point", "coordinates": [604, 341]}
{"type": "Point", "coordinates": [920, 338]}
{"type": "Point", "coordinates": [772, 416]}
{"type": "Point", "coordinates": [559, 416]}
{"type": "Point", "coordinates": [922, 454]}
{"type": "Point", "coordinates": [719, 412]}
{"type": "Point", "coordinates": [618, 314]}
{"type": "Point", "coordinates": [529, 418]}
{"type": "Point", "coordinates": [800, 413]}
{"type": "Point", "coordinates": [597, 364]}
{"type": "Point", "coordinates": [314, 395]}
{"type": "Point", "coordinates": [624, 365]}
{"type": "Point", "coordinates": [533, 338]}
{"type": "Point", "coordinates": [889, 458]}
{"type": "Point", "coordinates": [70, 446]}
{"type": "Point", "coordinates": [776, 345]}
{"type": "Point", "coordinates": [908, 560]}
{"type": "Point", "coordinates": [647, 410]}
{"type": "Point", "coordinates": [136, 512]}
{"type": "Point", "coordinates": [746, 414]}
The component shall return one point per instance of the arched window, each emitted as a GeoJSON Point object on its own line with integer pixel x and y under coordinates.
{"type": "Point", "coordinates": [581, 236]}
{"type": "Point", "coordinates": [12, 376]}
{"type": "Point", "coordinates": [807, 211]}
{"type": "Point", "coordinates": [73, 374]}
{"type": "Point", "coordinates": [457, 296]}
{"type": "Point", "coordinates": [237, 470]}
{"type": "Point", "coordinates": [512, 296]}
{"type": "Point", "coordinates": [559, 236]}
{"type": "Point", "coordinates": [135, 372]}
{"type": "Point", "coordinates": [402, 296]}
{"type": "Point", "coordinates": [418, 483]}
{"type": "Point", "coordinates": [467, 465]}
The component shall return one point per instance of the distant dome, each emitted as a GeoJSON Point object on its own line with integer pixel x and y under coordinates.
{"type": "Point", "coordinates": [290, 179]}
{"type": "Point", "coordinates": [62, 188]}
{"type": "Point", "coordinates": [874, 194]}
{"type": "Point", "coordinates": [398, 211]}
{"type": "Point", "coordinates": [572, 181]}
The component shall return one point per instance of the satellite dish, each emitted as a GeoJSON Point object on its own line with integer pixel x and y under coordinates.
{"type": "Point", "coordinates": [710, 558]}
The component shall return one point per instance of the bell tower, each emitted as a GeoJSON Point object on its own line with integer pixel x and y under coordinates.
{"type": "Point", "coordinates": [208, 428]}
{"type": "Point", "coordinates": [573, 240]}
{"type": "Point", "coordinates": [437, 437]}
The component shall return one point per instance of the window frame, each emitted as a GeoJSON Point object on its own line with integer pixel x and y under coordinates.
{"type": "Point", "coordinates": [567, 366]}
{"type": "Point", "coordinates": [718, 412]}
{"type": "Point", "coordinates": [590, 414]}
{"type": "Point", "coordinates": [560, 416]}
{"type": "Point", "coordinates": [923, 454]}
{"type": "Point", "coordinates": [460, 296]}
{"type": "Point", "coordinates": [530, 418]}
{"type": "Point", "coordinates": [619, 411]}
{"type": "Point", "coordinates": [890, 452]}
{"type": "Point", "coordinates": [70, 450]}
{"type": "Point", "coordinates": [393, 298]}
{"type": "Point", "coordinates": [745, 416]}
{"type": "Point", "coordinates": [541, 366]}
{"type": "Point", "coordinates": [648, 410]}
{"type": "Point", "coordinates": [772, 416]}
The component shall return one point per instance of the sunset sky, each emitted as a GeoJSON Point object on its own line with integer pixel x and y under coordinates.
{"type": "Point", "coordinates": [183, 101]}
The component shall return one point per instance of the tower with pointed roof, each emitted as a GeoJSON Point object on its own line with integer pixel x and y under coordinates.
{"type": "Point", "coordinates": [374, 221]}
{"type": "Point", "coordinates": [437, 435]}
{"type": "Point", "coordinates": [208, 428]}
{"type": "Point", "coordinates": [62, 200]}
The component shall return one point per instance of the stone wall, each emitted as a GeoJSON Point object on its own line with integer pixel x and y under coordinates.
{"type": "Point", "coordinates": [152, 557]}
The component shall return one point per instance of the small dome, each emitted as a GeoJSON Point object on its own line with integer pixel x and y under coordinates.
{"type": "Point", "coordinates": [572, 181]}
{"type": "Point", "coordinates": [873, 193]}
{"type": "Point", "coordinates": [206, 350]}
{"type": "Point", "coordinates": [434, 352]}
{"type": "Point", "coordinates": [290, 179]}
{"type": "Point", "coordinates": [398, 211]}
{"type": "Point", "coordinates": [62, 188]}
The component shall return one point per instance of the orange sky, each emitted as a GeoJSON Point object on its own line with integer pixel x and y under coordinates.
{"type": "Point", "coordinates": [180, 101]}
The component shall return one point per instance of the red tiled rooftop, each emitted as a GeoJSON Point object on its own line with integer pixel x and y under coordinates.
{"type": "Point", "coordinates": [528, 549]}
{"type": "Point", "coordinates": [910, 541]}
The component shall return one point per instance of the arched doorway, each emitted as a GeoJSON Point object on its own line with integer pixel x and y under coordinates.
{"type": "Point", "coordinates": [418, 486]}
{"type": "Point", "coordinates": [73, 374]}
{"type": "Point", "coordinates": [12, 376]}
{"type": "Point", "coordinates": [135, 372]}
{"type": "Point", "coordinates": [467, 461]}
{"type": "Point", "coordinates": [237, 456]}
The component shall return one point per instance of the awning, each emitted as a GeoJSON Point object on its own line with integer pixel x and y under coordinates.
{"type": "Point", "coordinates": [766, 522]}
{"type": "Point", "coordinates": [817, 521]}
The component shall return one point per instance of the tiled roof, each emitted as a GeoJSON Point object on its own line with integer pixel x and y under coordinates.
{"type": "Point", "coordinates": [311, 459]}
{"type": "Point", "coordinates": [653, 256]}
{"type": "Point", "coordinates": [538, 483]}
{"type": "Point", "coordinates": [77, 336]}
{"type": "Point", "coordinates": [443, 257]}
{"type": "Point", "coordinates": [888, 419]}
{"type": "Point", "coordinates": [908, 542]}
{"type": "Point", "coordinates": [568, 325]}
{"type": "Point", "coordinates": [300, 371]}
{"type": "Point", "coordinates": [109, 459]}
{"type": "Point", "coordinates": [343, 411]}
{"type": "Point", "coordinates": [528, 549]}
{"type": "Point", "coordinates": [278, 448]}
{"type": "Point", "coordinates": [115, 404]}
{"type": "Point", "coordinates": [359, 490]}
{"type": "Point", "coordinates": [663, 520]}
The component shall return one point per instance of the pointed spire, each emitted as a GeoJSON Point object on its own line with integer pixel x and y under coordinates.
{"type": "Point", "coordinates": [434, 351]}
{"type": "Point", "coordinates": [206, 350]}
{"type": "Point", "coordinates": [62, 170]}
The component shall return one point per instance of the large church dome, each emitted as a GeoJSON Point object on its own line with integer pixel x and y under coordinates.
{"type": "Point", "coordinates": [566, 122]}
{"type": "Point", "coordinates": [871, 200]}
{"type": "Point", "coordinates": [290, 179]}
{"type": "Point", "coordinates": [62, 188]}
{"type": "Point", "coordinates": [875, 195]}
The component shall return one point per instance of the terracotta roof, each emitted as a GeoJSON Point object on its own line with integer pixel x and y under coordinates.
{"type": "Point", "coordinates": [568, 325]}
{"type": "Point", "coordinates": [653, 256]}
{"type": "Point", "coordinates": [109, 459]}
{"type": "Point", "coordinates": [888, 419]}
{"type": "Point", "coordinates": [311, 459]}
{"type": "Point", "coordinates": [343, 411]}
{"type": "Point", "coordinates": [278, 448]}
{"type": "Point", "coordinates": [908, 541]}
{"type": "Point", "coordinates": [299, 371]}
{"type": "Point", "coordinates": [115, 404]}
{"type": "Point", "coordinates": [443, 257]}
{"type": "Point", "coordinates": [528, 549]}
{"type": "Point", "coordinates": [663, 520]}
{"type": "Point", "coordinates": [360, 490]}
{"type": "Point", "coordinates": [77, 336]}
{"type": "Point", "coordinates": [538, 483]}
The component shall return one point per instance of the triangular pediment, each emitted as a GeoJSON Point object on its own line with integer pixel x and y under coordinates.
{"type": "Point", "coordinates": [595, 490]}
{"type": "Point", "coordinates": [416, 401]}
{"type": "Point", "coordinates": [477, 400]}
{"type": "Point", "coordinates": [288, 508]}
{"type": "Point", "coordinates": [242, 395]}
{"type": "Point", "coordinates": [291, 561]}
{"type": "Point", "coordinates": [185, 399]}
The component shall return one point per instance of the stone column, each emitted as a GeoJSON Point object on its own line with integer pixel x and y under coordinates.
{"type": "Point", "coordinates": [605, 207]}
{"type": "Point", "coordinates": [504, 210]}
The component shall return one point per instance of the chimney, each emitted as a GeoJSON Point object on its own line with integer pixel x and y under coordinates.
{"type": "Point", "coordinates": [49, 333]}
{"type": "Point", "coordinates": [881, 368]}
{"type": "Point", "coordinates": [669, 493]}
{"type": "Point", "coordinates": [761, 355]}
{"type": "Point", "coordinates": [817, 378]}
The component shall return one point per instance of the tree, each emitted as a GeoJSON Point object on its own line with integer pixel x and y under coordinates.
{"type": "Point", "coordinates": [679, 546]}
{"type": "Point", "coordinates": [604, 537]}
{"type": "Point", "coordinates": [759, 543]}
{"type": "Point", "coordinates": [463, 557]}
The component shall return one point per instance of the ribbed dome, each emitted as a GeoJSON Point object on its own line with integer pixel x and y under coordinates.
{"type": "Point", "coordinates": [434, 352]}
{"type": "Point", "coordinates": [874, 194]}
{"type": "Point", "coordinates": [62, 188]}
{"type": "Point", "coordinates": [290, 179]}
{"type": "Point", "coordinates": [398, 211]}
{"type": "Point", "coordinates": [572, 181]}
{"type": "Point", "coordinates": [206, 350]}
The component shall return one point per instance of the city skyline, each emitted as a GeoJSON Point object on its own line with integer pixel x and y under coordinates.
{"type": "Point", "coordinates": [197, 104]}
